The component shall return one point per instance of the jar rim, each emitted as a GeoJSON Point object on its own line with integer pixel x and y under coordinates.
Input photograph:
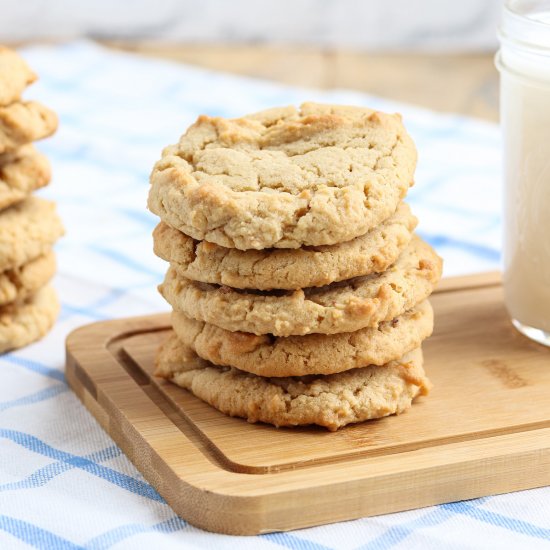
{"type": "Point", "coordinates": [512, 6]}
{"type": "Point", "coordinates": [520, 27]}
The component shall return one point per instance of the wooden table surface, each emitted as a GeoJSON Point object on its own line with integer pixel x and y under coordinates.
{"type": "Point", "coordinates": [460, 83]}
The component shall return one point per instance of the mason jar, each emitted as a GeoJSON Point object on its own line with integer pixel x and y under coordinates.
{"type": "Point", "coordinates": [524, 65]}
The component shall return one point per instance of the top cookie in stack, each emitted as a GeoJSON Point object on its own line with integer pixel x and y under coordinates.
{"type": "Point", "coordinates": [294, 272]}
{"type": "Point", "coordinates": [285, 178]}
{"type": "Point", "coordinates": [29, 226]}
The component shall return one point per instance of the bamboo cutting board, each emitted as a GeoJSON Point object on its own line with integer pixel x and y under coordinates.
{"type": "Point", "coordinates": [484, 429]}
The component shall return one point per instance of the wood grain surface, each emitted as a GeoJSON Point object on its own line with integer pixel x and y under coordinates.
{"type": "Point", "coordinates": [484, 429]}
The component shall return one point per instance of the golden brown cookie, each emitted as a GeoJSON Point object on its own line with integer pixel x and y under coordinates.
{"type": "Point", "coordinates": [284, 178]}
{"type": "Point", "coordinates": [331, 401]}
{"type": "Point", "coordinates": [25, 322]}
{"type": "Point", "coordinates": [268, 355]}
{"type": "Point", "coordinates": [283, 268]}
{"type": "Point", "coordinates": [21, 172]}
{"type": "Point", "coordinates": [339, 307]}
{"type": "Point", "coordinates": [20, 282]}
{"type": "Point", "coordinates": [28, 229]}
{"type": "Point", "coordinates": [21, 123]}
{"type": "Point", "coordinates": [15, 76]}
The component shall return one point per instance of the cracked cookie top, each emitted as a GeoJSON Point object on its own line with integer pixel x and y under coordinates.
{"type": "Point", "coordinates": [285, 177]}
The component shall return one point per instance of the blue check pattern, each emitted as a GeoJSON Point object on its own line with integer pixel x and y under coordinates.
{"type": "Point", "coordinates": [63, 482]}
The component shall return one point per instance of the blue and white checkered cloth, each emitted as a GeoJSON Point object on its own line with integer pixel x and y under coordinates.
{"type": "Point", "coordinates": [63, 482]}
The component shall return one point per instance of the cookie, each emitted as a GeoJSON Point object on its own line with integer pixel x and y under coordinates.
{"type": "Point", "coordinates": [15, 76]}
{"type": "Point", "coordinates": [279, 268]}
{"type": "Point", "coordinates": [20, 282]}
{"type": "Point", "coordinates": [28, 229]}
{"type": "Point", "coordinates": [284, 178]}
{"type": "Point", "coordinates": [331, 401]}
{"type": "Point", "coordinates": [21, 123]}
{"type": "Point", "coordinates": [346, 306]}
{"type": "Point", "coordinates": [28, 321]}
{"type": "Point", "coordinates": [21, 172]}
{"type": "Point", "coordinates": [268, 355]}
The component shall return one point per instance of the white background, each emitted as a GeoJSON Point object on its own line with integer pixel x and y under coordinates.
{"type": "Point", "coordinates": [359, 24]}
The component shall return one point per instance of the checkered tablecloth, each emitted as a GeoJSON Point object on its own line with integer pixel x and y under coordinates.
{"type": "Point", "coordinates": [63, 482]}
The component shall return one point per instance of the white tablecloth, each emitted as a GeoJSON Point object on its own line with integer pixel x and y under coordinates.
{"type": "Point", "coordinates": [63, 482]}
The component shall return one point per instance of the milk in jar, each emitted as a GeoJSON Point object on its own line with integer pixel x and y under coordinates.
{"type": "Point", "coordinates": [524, 64]}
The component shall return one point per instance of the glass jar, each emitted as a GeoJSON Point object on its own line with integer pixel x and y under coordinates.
{"type": "Point", "coordinates": [524, 64]}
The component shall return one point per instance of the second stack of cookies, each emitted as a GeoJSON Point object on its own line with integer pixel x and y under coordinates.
{"type": "Point", "coordinates": [295, 276]}
{"type": "Point", "coordinates": [29, 226]}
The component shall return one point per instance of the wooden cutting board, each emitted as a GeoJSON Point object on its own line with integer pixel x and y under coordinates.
{"type": "Point", "coordinates": [484, 429]}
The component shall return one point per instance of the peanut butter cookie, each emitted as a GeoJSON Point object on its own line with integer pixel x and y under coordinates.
{"type": "Point", "coordinates": [346, 306]}
{"type": "Point", "coordinates": [28, 230]}
{"type": "Point", "coordinates": [21, 172]}
{"type": "Point", "coordinates": [20, 282]}
{"type": "Point", "coordinates": [274, 356]}
{"type": "Point", "coordinates": [21, 123]}
{"type": "Point", "coordinates": [15, 76]}
{"type": "Point", "coordinates": [24, 322]}
{"type": "Point", "coordinates": [287, 269]}
{"type": "Point", "coordinates": [285, 177]}
{"type": "Point", "coordinates": [331, 401]}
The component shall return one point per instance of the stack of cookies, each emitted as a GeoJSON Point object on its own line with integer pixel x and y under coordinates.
{"type": "Point", "coordinates": [29, 226]}
{"type": "Point", "coordinates": [299, 291]}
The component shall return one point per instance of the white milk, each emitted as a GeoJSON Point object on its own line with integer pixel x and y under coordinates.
{"type": "Point", "coordinates": [524, 62]}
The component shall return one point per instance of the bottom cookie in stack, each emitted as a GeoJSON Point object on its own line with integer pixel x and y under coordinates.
{"type": "Point", "coordinates": [332, 400]}
{"type": "Point", "coordinates": [326, 379]}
